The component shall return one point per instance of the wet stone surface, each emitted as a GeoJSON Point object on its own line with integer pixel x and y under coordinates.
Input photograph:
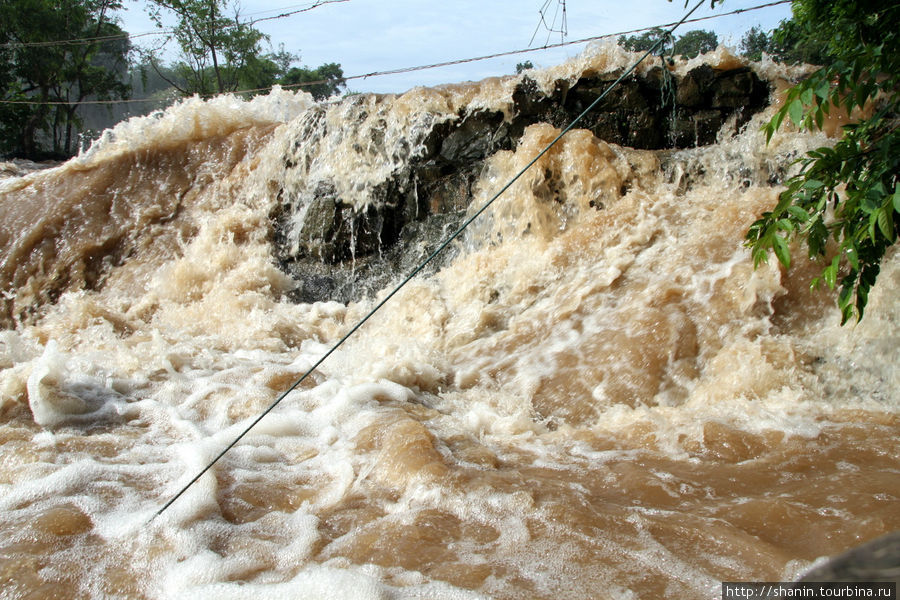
{"type": "Point", "coordinates": [342, 253]}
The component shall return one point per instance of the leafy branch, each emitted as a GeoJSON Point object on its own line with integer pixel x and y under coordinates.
{"type": "Point", "coordinates": [849, 192]}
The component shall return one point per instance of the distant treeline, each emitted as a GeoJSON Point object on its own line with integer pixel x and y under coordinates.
{"type": "Point", "coordinates": [51, 90]}
{"type": "Point", "coordinates": [58, 58]}
{"type": "Point", "coordinates": [786, 43]}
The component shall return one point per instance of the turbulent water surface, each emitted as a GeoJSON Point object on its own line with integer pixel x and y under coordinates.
{"type": "Point", "coordinates": [598, 397]}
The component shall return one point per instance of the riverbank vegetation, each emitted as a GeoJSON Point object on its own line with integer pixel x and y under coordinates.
{"type": "Point", "coordinates": [60, 60]}
{"type": "Point", "coordinates": [844, 203]}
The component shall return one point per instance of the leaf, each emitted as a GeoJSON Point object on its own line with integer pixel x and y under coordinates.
{"type": "Point", "coordinates": [806, 96]}
{"type": "Point", "coordinates": [829, 273]}
{"type": "Point", "coordinates": [782, 252]}
{"type": "Point", "coordinates": [777, 119]}
{"type": "Point", "coordinates": [845, 298]}
{"type": "Point", "coordinates": [897, 199]}
{"type": "Point", "coordinates": [870, 203]}
{"type": "Point", "coordinates": [759, 256]}
{"type": "Point", "coordinates": [886, 223]}
{"type": "Point", "coordinates": [799, 213]}
{"type": "Point", "coordinates": [853, 257]}
{"type": "Point", "coordinates": [812, 184]}
{"type": "Point", "coordinates": [795, 109]}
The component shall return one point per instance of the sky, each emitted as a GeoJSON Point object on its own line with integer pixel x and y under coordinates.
{"type": "Point", "coordinates": [367, 36]}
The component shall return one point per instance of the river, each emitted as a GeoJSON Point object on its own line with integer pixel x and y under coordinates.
{"type": "Point", "coordinates": [596, 396]}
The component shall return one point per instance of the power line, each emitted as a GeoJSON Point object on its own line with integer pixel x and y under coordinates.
{"type": "Point", "coordinates": [563, 31]}
{"type": "Point", "coordinates": [83, 41]}
{"type": "Point", "coordinates": [125, 36]}
{"type": "Point", "coordinates": [431, 65]}
{"type": "Point", "coordinates": [316, 4]}
{"type": "Point", "coordinates": [422, 265]}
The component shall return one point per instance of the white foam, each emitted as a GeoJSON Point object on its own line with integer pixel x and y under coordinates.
{"type": "Point", "coordinates": [195, 119]}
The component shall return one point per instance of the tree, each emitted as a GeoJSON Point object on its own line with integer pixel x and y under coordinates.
{"type": "Point", "coordinates": [848, 193]}
{"type": "Point", "coordinates": [690, 44]}
{"type": "Point", "coordinates": [643, 42]}
{"type": "Point", "coordinates": [754, 42]}
{"type": "Point", "coordinates": [218, 53]}
{"type": "Point", "coordinates": [323, 82]}
{"type": "Point", "coordinates": [40, 68]}
{"type": "Point", "coordinates": [523, 66]}
{"type": "Point", "coordinates": [696, 42]}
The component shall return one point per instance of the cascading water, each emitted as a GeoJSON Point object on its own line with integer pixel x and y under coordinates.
{"type": "Point", "coordinates": [595, 396]}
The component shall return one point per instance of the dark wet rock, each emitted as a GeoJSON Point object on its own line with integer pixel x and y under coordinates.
{"type": "Point", "coordinates": [735, 89]}
{"type": "Point", "coordinates": [477, 135]}
{"type": "Point", "coordinates": [874, 561]}
{"type": "Point", "coordinates": [340, 253]}
{"type": "Point", "coordinates": [693, 90]}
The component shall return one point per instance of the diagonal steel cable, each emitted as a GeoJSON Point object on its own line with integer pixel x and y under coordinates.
{"type": "Point", "coordinates": [422, 265]}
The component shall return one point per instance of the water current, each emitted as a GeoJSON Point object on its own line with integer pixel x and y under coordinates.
{"type": "Point", "coordinates": [598, 397]}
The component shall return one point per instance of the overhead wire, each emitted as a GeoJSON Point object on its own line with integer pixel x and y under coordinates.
{"type": "Point", "coordinates": [402, 70]}
{"type": "Point", "coordinates": [421, 266]}
{"type": "Point", "coordinates": [316, 4]}
{"type": "Point", "coordinates": [126, 36]}
{"type": "Point", "coordinates": [563, 31]}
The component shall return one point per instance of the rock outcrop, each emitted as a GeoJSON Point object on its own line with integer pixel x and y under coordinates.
{"type": "Point", "coordinates": [342, 252]}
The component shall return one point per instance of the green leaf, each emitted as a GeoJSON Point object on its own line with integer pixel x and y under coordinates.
{"type": "Point", "coordinates": [862, 94]}
{"type": "Point", "coordinates": [870, 203]}
{"type": "Point", "coordinates": [777, 119]}
{"type": "Point", "coordinates": [853, 257]}
{"type": "Point", "coordinates": [806, 96]}
{"type": "Point", "coordinates": [897, 199]}
{"type": "Point", "coordinates": [799, 213]}
{"type": "Point", "coordinates": [812, 184]}
{"type": "Point", "coordinates": [886, 223]}
{"type": "Point", "coordinates": [759, 256]}
{"type": "Point", "coordinates": [782, 252]}
{"type": "Point", "coordinates": [845, 299]}
{"type": "Point", "coordinates": [795, 109]}
{"type": "Point", "coordinates": [829, 273]}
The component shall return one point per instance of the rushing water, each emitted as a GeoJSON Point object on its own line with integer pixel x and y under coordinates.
{"type": "Point", "coordinates": [599, 397]}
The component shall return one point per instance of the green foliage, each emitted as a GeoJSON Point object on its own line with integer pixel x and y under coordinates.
{"type": "Point", "coordinates": [849, 193]}
{"type": "Point", "coordinates": [792, 43]}
{"type": "Point", "coordinates": [218, 53]}
{"type": "Point", "coordinates": [36, 68]}
{"type": "Point", "coordinates": [524, 66]}
{"type": "Point", "coordinates": [689, 45]}
{"type": "Point", "coordinates": [696, 42]}
{"type": "Point", "coordinates": [221, 54]}
{"type": "Point", "coordinates": [643, 42]}
{"type": "Point", "coordinates": [322, 82]}
{"type": "Point", "coordinates": [754, 42]}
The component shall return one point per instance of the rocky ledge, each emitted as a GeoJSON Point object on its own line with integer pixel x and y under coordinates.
{"type": "Point", "coordinates": [341, 253]}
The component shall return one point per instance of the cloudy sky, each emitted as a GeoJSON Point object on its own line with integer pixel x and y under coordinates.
{"type": "Point", "coordinates": [367, 36]}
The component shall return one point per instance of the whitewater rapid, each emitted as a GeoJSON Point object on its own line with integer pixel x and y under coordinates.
{"type": "Point", "coordinates": [597, 397]}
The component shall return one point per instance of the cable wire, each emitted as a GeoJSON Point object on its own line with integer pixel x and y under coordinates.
{"type": "Point", "coordinates": [421, 266]}
{"type": "Point", "coordinates": [427, 66]}
{"type": "Point", "coordinates": [126, 36]}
